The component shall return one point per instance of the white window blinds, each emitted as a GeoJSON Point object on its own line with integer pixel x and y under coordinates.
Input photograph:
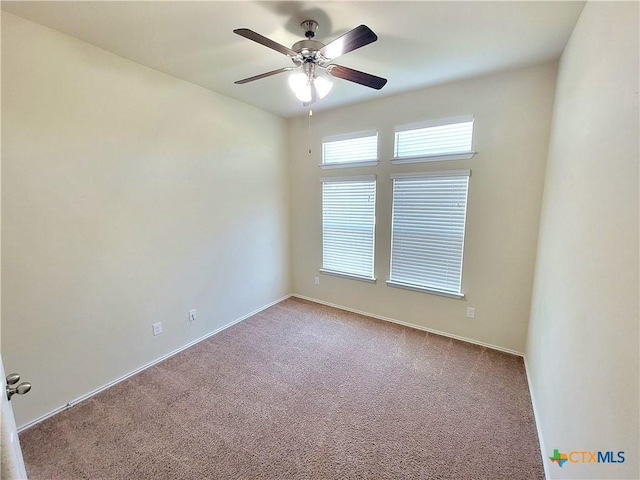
{"type": "Point", "coordinates": [447, 137]}
{"type": "Point", "coordinates": [348, 225]}
{"type": "Point", "coordinates": [361, 147]}
{"type": "Point", "coordinates": [427, 232]}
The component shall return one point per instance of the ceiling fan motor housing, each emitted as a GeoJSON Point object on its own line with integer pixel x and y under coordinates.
{"type": "Point", "coordinates": [310, 51]}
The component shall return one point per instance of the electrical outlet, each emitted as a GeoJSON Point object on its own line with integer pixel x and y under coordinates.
{"type": "Point", "coordinates": [157, 328]}
{"type": "Point", "coordinates": [316, 280]}
{"type": "Point", "coordinates": [471, 312]}
{"type": "Point", "coordinates": [192, 315]}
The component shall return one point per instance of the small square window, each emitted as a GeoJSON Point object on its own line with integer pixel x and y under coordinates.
{"type": "Point", "coordinates": [350, 150]}
{"type": "Point", "coordinates": [446, 139]}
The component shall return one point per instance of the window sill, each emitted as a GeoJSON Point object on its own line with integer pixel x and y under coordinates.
{"type": "Point", "coordinates": [417, 288]}
{"type": "Point", "coordinates": [433, 158]}
{"type": "Point", "coordinates": [369, 163]}
{"type": "Point", "coordinates": [348, 275]}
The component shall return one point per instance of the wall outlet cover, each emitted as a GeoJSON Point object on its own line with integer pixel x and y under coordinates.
{"type": "Point", "coordinates": [471, 312]}
{"type": "Point", "coordinates": [316, 280]}
{"type": "Point", "coordinates": [157, 328]}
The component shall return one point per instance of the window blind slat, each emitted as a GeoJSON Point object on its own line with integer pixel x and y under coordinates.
{"type": "Point", "coordinates": [348, 226]}
{"type": "Point", "coordinates": [428, 225]}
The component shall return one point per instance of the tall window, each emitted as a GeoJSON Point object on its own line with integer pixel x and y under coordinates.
{"type": "Point", "coordinates": [348, 226]}
{"type": "Point", "coordinates": [444, 139]}
{"type": "Point", "coordinates": [427, 231]}
{"type": "Point", "coordinates": [350, 150]}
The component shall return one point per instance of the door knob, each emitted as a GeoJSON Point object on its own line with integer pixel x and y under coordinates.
{"type": "Point", "coordinates": [20, 389]}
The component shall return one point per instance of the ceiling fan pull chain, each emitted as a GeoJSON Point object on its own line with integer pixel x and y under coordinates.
{"type": "Point", "coordinates": [309, 130]}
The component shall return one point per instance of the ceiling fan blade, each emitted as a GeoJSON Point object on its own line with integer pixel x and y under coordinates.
{"type": "Point", "coordinates": [356, 38]}
{"type": "Point", "coordinates": [357, 76]}
{"type": "Point", "coordinates": [264, 75]}
{"type": "Point", "coordinates": [256, 37]}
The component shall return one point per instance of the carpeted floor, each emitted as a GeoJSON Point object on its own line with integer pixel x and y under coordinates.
{"type": "Point", "coordinates": [303, 391]}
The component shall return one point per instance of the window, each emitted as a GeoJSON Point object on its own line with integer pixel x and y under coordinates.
{"type": "Point", "coordinates": [427, 231]}
{"type": "Point", "coordinates": [350, 150]}
{"type": "Point", "coordinates": [348, 226]}
{"type": "Point", "coordinates": [446, 139]}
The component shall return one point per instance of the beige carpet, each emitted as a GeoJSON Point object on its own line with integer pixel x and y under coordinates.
{"type": "Point", "coordinates": [303, 391]}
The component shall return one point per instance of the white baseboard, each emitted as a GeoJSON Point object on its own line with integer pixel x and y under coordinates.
{"type": "Point", "coordinates": [71, 403]}
{"type": "Point", "coordinates": [412, 325]}
{"type": "Point", "coordinates": [224, 327]}
{"type": "Point", "coordinates": [543, 449]}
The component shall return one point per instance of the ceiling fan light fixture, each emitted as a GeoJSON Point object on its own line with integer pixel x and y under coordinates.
{"type": "Point", "coordinates": [323, 86]}
{"type": "Point", "coordinates": [301, 86]}
{"type": "Point", "coordinates": [299, 83]}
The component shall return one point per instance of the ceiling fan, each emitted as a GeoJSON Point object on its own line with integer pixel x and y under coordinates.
{"type": "Point", "coordinates": [312, 56]}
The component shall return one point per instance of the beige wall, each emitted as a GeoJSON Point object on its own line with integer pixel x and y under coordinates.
{"type": "Point", "coordinates": [128, 197]}
{"type": "Point", "coordinates": [512, 120]}
{"type": "Point", "coordinates": [582, 349]}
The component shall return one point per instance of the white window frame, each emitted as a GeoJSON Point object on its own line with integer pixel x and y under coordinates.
{"type": "Point", "coordinates": [345, 273]}
{"type": "Point", "coordinates": [399, 283]}
{"type": "Point", "coordinates": [368, 162]}
{"type": "Point", "coordinates": [435, 157]}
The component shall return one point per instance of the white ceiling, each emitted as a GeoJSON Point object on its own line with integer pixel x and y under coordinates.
{"type": "Point", "coordinates": [419, 43]}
